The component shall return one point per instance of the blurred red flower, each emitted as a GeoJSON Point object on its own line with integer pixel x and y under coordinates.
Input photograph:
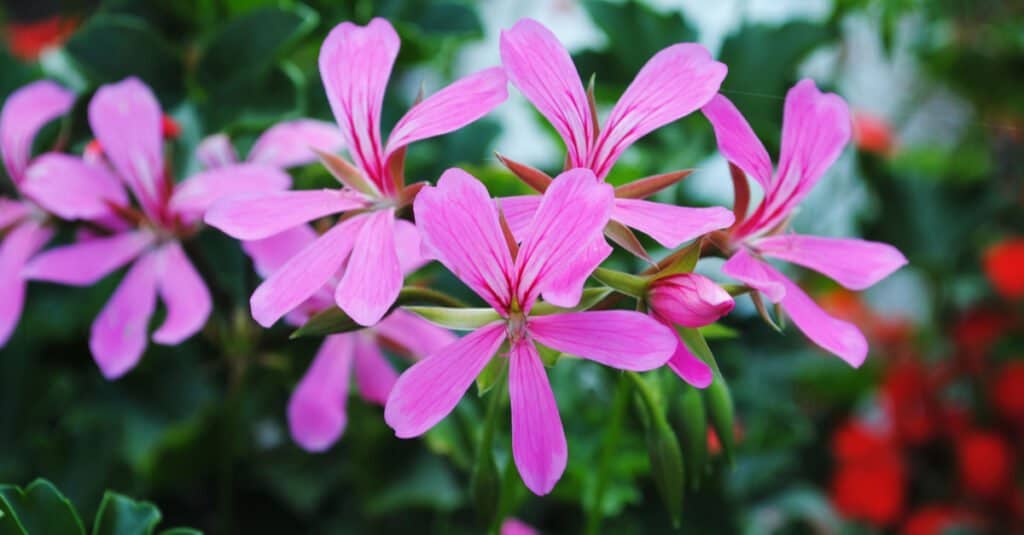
{"type": "Point", "coordinates": [27, 40]}
{"type": "Point", "coordinates": [986, 463]}
{"type": "Point", "coordinates": [872, 133]}
{"type": "Point", "coordinates": [1008, 392]}
{"type": "Point", "coordinates": [908, 396]}
{"type": "Point", "coordinates": [1004, 265]}
{"type": "Point", "coordinates": [932, 520]}
{"type": "Point", "coordinates": [869, 484]}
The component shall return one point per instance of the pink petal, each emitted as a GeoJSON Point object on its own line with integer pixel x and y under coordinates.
{"type": "Point", "coordinates": [373, 276]}
{"type": "Point", "coordinates": [815, 128]}
{"type": "Point", "coordinates": [17, 247]}
{"type": "Point", "coordinates": [538, 440]}
{"type": "Point", "coordinates": [566, 288]}
{"type": "Point", "coordinates": [305, 274]}
{"type": "Point", "coordinates": [856, 264]}
{"type": "Point", "coordinates": [127, 120]}
{"type": "Point", "coordinates": [289, 144]}
{"type": "Point", "coordinates": [512, 526]}
{"type": "Point", "coordinates": [413, 334]}
{"type": "Point", "coordinates": [118, 336]}
{"type": "Point", "coordinates": [260, 215]}
{"type": "Point", "coordinates": [11, 212]}
{"type": "Point", "coordinates": [69, 188]}
{"type": "Point", "coordinates": [670, 225]}
{"type": "Point", "coordinates": [459, 225]}
{"type": "Point", "coordinates": [432, 387]}
{"type": "Point", "coordinates": [573, 211]}
{"type": "Point", "coordinates": [618, 338]}
{"type": "Point", "coordinates": [519, 211]}
{"type": "Point", "coordinates": [374, 373]}
{"type": "Point", "coordinates": [689, 299]}
{"type": "Point", "coordinates": [355, 64]}
{"type": "Point", "coordinates": [837, 336]}
{"type": "Point", "coordinates": [85, 263]}
{"type": "Point", "coordinates": [25, 112]}
{"type": "Point", "coordinates": [753, 273]}
{"type": "Point", "coordinates": [216, 151]}
{"type": "Point", "coordinates": [409, 246]}
{"type": "Point", "coordinates": [674, 83]}
{"type": "Point", "coordinates": [316, 410]}
{"type": "Point", "coordinates": [184, 294]}
{"type": "Point", "coordinates": [193, 197]}
{"type": "Point", "coordinates": [451, 108]}
{"type": "Point", "coordinates": [737, 141]}
{"type": "Point", "coordinates": [540, 67]}
{"type": "Point", "coordinates": [269, 254]}
{"type": "Point", "coordinates": [689, 368]}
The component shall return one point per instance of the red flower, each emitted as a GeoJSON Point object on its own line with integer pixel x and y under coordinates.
{"type": "Point", "coordinates": [932, 520]}
{"type": "Point", "coordinates": [986, 463]}
{"type": "Point", "coordinates": [908, 397]}
{"type": "Point", "coordinates": [975, 333]}
{"type": "Point", "coordinates": [872, 133]}
{"type": "Point", "coordinates": [27, 40]}
{"type": "Point", "coordinates": [869, 483]}
{"type": "Point", "coordinates": [1004, 265]}
{"type": "Point", "coordinates": [1008, 392]}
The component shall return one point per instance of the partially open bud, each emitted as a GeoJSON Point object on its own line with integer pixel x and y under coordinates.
{"type": "Point", "coordinates": [689, 299]}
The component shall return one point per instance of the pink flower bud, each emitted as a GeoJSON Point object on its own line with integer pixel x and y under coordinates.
{"type": "Point", "coordinates": [689, 300]}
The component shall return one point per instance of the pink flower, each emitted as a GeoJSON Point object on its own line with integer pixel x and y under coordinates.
{"type": "Point", "coordinates": [514, 526]}
{"type": "Point", "coordinates": [675, 82]}
{"type": "Point", "coordinates": [316, 411]}
{"type": "Point", "coordinates": [815, 128]}
{"type": "Point", "coordinates": [689, 300]}
{"type": "Point", "coordinates": [284, 145]}
{"type": "Point", "coordinates": [127, 120]}
{"type": "Point", "coordinates": [355, 63]}
{"type": "Point", "coordinates": [460, 227]}
{"type": "Point", "coordinates": [24, 113]}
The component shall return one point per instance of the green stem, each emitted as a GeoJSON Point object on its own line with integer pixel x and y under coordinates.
{"type": "Point", "coordinates": [608, 444]}
{"type": "Point", "coordinates": [485, 454]}
{"type": "Point", "coordinates": [411, 294]}
{"type": "Point", "coordinates": [626, 283]}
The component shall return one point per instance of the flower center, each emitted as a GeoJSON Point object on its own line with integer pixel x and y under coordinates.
{"type": "Point", "coordinates": [515, 326]}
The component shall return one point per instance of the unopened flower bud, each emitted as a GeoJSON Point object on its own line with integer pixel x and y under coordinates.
{"type": "Point", "coordinates": [689, 300]}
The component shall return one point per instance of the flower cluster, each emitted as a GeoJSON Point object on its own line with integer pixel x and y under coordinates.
{"type": "Point", "coordinates": [528, 258]}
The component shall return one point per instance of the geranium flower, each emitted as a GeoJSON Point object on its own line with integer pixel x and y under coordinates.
{"type": "Point", "coordinates": [284, 145]}
{"type": "Point", "coordinates": [127, 120]}
{"type": "Point", "coordinates": [460, 227]}
{"type": "Point", "coordinates": [676, 81]}
{"type": "Point", "coordinates": [816, 127]}
{"type": "Point", "coordinates": [355, 64]}
{"type": "Point", "coordinates": [24, 113]}
{"type": "Point", "coordinates": [316, 410]}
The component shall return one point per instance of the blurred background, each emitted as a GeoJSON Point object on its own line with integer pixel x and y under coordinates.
{"type": "Point", "coordinates": [926, 438]}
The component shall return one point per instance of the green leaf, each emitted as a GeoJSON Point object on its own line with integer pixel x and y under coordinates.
{"type": "Point", "coordinates": [465, 319]}
{"type": "Point", "coordinates": [257, 103]}
{"type": "Point", "coordinates": [181, 531]}
{"type": "Point", "coordinates": [121, 515]}
{"type": "Point", "coordinates": [249, 46]}
{"type": "Point", "coordinates": [717, 331]}
{"type": "Point", "coordinates": [39, 508]}
{"type": "Point", "coordinates": [110, 48]}
{"type": "Point", "coordinates": [637, 31]}
{"type": "Point", "coordinates": [591, 297]}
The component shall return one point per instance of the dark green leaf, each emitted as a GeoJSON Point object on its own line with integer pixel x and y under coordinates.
{"type": "Point", "coordinates": [39, 508]}
{"type": "Point", "coordinates": [121, 515]}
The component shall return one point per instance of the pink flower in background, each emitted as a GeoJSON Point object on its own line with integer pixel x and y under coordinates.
{"type": "Point", "coordinates": [676, 81]}
{"type": "Point", "coordinates": [127, 121]}
{"type": "Point", "coordinates": [513, 526]}
{"type": "Point", "coordinates": [460, 226]}
{"type": "Point", "coordinates": [284, 145]}
{"type": "Point", "coordinates": [689, 300]}
{"type": "Point", "coordinates": [22, 221]}
{"type": "Point", "coordinates": [316, 411]}
{"type": "Point", "coordinates": [355, 64]}
{"type": "Point", "coordinates": [815, 128]}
